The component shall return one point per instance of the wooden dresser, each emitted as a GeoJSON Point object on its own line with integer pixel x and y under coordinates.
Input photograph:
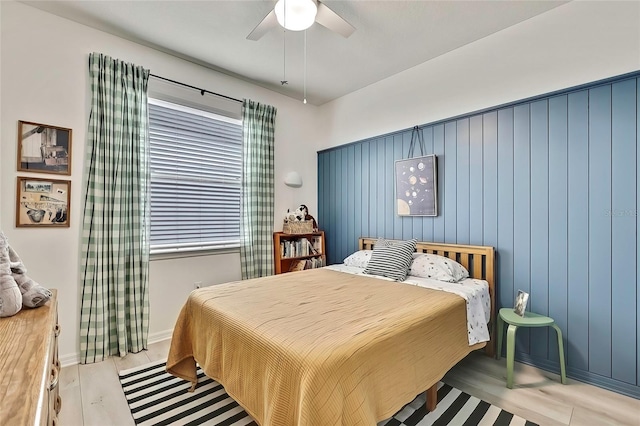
{"type": "Point", "coordinates": [29, 366]}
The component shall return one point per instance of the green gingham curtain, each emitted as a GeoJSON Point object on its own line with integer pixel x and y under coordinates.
{"type": "Point", "coordinates": [114, 317]}
{"type": "Point", "coordinates": [256, 230]}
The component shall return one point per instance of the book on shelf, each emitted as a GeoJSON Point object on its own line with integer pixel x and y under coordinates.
{"type": "Point", "coordinates": [310, 248]}
{"type": "Point", "coordinates": [316, 243]}
{"type": "Point", "coordinates": [316, 262]}
{"type": "Point", "coordinates": [298, 248]}
{"type": "Point", "coordinates": [299, 265]}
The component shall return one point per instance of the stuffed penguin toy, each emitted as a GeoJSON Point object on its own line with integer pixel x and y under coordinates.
{"type": "Point", "coordinates": [303, 213]}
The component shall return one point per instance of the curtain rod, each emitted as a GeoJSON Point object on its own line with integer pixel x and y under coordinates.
{"type": "Point", "coordinates": [202, 91]}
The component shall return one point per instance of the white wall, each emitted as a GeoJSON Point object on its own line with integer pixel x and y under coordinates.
{"type": "Point", "coordinates": [573, 44]}
{"type": "Point", "coordinates": [0, 107]}
{"type": "Point", "coordinates": [44, 79]}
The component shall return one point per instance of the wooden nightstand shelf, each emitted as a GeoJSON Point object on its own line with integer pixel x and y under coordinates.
{"type": "Point", "coordinates": [298, 251]}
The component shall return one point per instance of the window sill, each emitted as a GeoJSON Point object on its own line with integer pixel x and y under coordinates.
{"type": "Point", "coordinates": [192, 252]}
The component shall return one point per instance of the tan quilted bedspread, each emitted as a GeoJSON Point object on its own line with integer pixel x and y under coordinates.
{"type": "Point", "coordinates": [320, 347]}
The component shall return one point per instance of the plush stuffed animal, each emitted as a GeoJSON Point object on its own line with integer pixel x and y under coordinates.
{"type": "Point", "coordinates": [16, 288]}
{"type": "Point", "coordinates": [33, 294]}
{"type": "Point", "coordinates": [10, 296]}
{"type": "Point", "coordinates": [290, 216]}
{"type": "Point", "coordinates": [303, 213]}
{"type": "Point", "coordinates": [299, 214]}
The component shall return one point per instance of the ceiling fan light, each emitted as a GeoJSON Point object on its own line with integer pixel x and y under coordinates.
{"type": "Point", "coordinates": [299, 14]}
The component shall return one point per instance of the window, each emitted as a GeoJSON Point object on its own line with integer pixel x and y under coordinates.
{"type": "Point", "coordinates": [196, 166]}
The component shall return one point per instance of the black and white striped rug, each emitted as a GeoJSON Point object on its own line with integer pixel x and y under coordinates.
{"type": "Point", "coordinates": [157, 398]}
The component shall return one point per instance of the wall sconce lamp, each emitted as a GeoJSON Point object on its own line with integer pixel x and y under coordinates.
{"type": "Point", "coordinates": [293, 180]}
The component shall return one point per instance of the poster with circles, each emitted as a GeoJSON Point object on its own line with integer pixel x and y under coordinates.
{"type": "Point", "coordinates": [416, 187]}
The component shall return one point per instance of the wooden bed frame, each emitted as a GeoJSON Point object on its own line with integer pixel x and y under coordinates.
{"type": "Point", "coordinates": [480, 262]}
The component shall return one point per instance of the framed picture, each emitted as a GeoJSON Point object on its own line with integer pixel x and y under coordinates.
{"type": "Point", "coordinates": [416, 186]}
{"type": "Point", "coordinates": [43, 148]}
{"type": "Point", "coordinates": [520, 305]}
{"type": "Point", "coordinates": [43, 202]}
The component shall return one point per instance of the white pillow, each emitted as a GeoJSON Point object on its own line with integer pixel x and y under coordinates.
{"type": "Point", "coordinates": [427, 265]}
{"type": "Point", "coordinates": [359, 259]}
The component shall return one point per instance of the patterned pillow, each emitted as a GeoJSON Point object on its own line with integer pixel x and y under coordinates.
{"type": "Point", "coordinates": [427, 265]}
{"type": "Point", "coordinates": [391, 259]}
{"type": "Point", "coordinates": [359, 259]}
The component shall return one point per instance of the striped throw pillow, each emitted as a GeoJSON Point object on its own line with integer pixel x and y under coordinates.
{"type": "Point", "coordinates": [391, 259]}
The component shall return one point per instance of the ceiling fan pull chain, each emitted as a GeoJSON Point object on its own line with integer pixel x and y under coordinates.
{"type": "Point", "coordinates": [284, 53]}
{"type": "Point", "coordinates": [284, 58]}
{"type": "Point", "coordinates": [305, 68]}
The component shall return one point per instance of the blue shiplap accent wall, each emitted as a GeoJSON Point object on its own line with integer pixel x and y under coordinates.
{"type": "Point", "coordinates": [552, 184]}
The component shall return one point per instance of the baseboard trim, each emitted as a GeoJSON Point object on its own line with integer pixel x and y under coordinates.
{"type": "Point", "coordinates": [583, 376]}
{"type": "Point", "coordinates": [74, 358]}
{"type": "Point", "coordinates": [160, 336]}
{"type": "Point", "coordinates": [70, 359]}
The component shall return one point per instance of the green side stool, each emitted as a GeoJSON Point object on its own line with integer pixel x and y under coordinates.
{"type": "Point", "coordinates": [529, 320]}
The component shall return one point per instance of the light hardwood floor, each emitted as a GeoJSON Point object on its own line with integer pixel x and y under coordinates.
{"type": "Point", "coordinates": [91, 394]}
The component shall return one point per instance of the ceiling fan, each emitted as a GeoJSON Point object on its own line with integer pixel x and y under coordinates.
{"type": "Point", "coordinates": [298, 15]}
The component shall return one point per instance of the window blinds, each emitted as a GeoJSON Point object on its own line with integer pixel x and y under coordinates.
{"type": "Point", "coordinates": [196, 167]}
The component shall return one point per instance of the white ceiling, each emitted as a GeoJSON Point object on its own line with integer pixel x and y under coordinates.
{"type": "Point", "coordinates": [390, 36]}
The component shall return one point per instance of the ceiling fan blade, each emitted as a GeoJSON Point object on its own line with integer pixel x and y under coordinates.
{"type": "Point", "coordinates": [331, 20]}
{"type": "Point", "coordinates": [267, 24]}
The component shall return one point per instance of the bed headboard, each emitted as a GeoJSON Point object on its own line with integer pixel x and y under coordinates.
{"type": "Point", "coordinates": [479, 261]}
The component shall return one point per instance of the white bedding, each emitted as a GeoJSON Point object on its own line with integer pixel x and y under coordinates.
{"type": "Point", "coordinates": [475, 292]}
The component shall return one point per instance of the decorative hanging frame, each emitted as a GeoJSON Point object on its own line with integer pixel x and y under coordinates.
{"type": "Point", "coordinates": [416, 136]}
{"type": "Point", "coordinates": [416, 181]}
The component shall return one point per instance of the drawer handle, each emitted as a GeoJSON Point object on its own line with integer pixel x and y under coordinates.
{"type": "Point", "coordinates": [57, 330]}
{"type": "Point", "coordinates": [58, 404]}
{"type": "Point", "coordinates": [54, 378]}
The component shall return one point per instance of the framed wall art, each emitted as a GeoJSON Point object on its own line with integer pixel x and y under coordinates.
{"type": "Point", "coordinates": [520, 305]}
{"type": "Point", "coordinates": [416, 186]}
{"type": "Point", "coordinates": [43, 202]}
{"type": "Point", "coordinates": [43, 148]}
